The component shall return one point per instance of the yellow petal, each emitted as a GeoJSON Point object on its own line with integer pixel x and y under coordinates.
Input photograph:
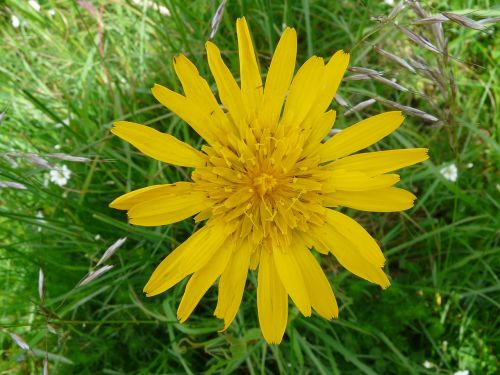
{"type": "Point", "coordinates": [186, 109]}
{"type": "Point", "coordinates": [384, 200]}
{"type": "Point", "coordinates": [229, 92]}
{"type": "Point", "coordinates": [272, 300]}
{"type": "Point", "coordinates": [304, 90]}
{"type": "Point", "coordinates": [251, 81]}
{"type": "Point", "coordinates": [279, 77]}
{"type": "Point", "coordinates": [334, 71]}
{"type": "Point", "coordinates": [203, 279]}
{"type": "Point", "coordinates": [365, 243]}
{"type": "Point", "coordinates": [232, 284]}
{"type": "Point", "coordinates": [158, 145]}
{"type": "Point", "coordinates": [374, 163]}
{"type": "Point", "coordinates": [361, 135]}
{"type": "Point", "coordinates": [291, 278]}
{"type": "Point", "coordinates": [126, 201]}
{"type": "Point", "coordinates": [341, 179]}
{"type": "Point", "coordinates": [320, 128]}
{"type": "Point", "coordinates": [196, 88]}
{"type": "Point", "coordinates": [168, 209]}
{"type": "Point", "coordinates": [318, 288]}
{"type": "Point", "coordinates": [187, 258]}
{"type": "Point", "coordinates": [349, 255]}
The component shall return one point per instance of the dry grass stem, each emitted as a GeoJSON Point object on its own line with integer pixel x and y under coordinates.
{"type": "Point", "coordinates": [61, 156]}
{"type": "Point", "coordinates": [94, 275]}
{"type": "Point", "coordinates": [360, 106]}
{"type": "Point", "coordinates": [339, 99]}
{"type": "Point", "coordinates": [430, 20]}
{"type": "Point", "coordinates": [390, 83]}
{"type": "Point", "coordinates": [409, 110]}
{"type": "Point", "coordinates": [357, 77]}
{"type": "Point", "coordinates": [464, 21]}
{"type": "Point", "coordinates": [41, 285]}
{"type": "Point", "coordinates": [111, 250]}
{"type": "Point", "coordinates": [419, 39]}
{"type": "Point", "coordinates": [217, 18]}
{"type": "Point", "coordinates": [358, 69]}
{"type": "Point", "coordinates": [19, 341]}
{"type": "Point", "coordinates": [393, 57]}
{"type": "Point", "coordinates": [12, 185]}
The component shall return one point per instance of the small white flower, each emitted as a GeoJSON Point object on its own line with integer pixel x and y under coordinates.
{"type": "Point", "coordinates": [389, 2]}
{"type": "Point", "coordinates": [34, 4]}
{"type": "Point", "coordinates": [97, 237]}
{"type": "Point", "coordinates": [60, 175]}
{"type": "Point", "coordinates": [57, 147]}
{"type": "Point", "coordinates": [450, 172]}
{"type": "Point", "coordinates": [15, 21]}
{"type": "Point", "coordinates": [461, 372]}
{"type": "Point", "coordinates": [51, 12]}
{"type": "Point", "coordinates": [470, 165]}
{"type": "Point", "coordinates": [428, 364]}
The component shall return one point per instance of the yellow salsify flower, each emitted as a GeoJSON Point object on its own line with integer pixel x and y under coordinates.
{"type": "Point", "coordinates": [266, 185]}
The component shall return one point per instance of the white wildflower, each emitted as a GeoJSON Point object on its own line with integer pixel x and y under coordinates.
{"type": "Point", "coordinates": [461, 372]}
{"type": "Point", "coordinates": [51, 12]}
{"type": "Point", "coordinates": [35, 5]}
{"type": "Point", "coordinates": [97, 237]}
{"type": "Point", "coordinates": [450, 172]}
{"type": "Point", "coordinates": [389, 2]}
{"type": "Point", "coordinates": [15, 21]}
{"type": "Point", "coordinates": [470, 165]}
{"type": "Point", "coordinates": [57, 147]}
{"type": "Point", "coordinates": [60, 175]}
{"type": "Point", "coordinates": [428, 364]}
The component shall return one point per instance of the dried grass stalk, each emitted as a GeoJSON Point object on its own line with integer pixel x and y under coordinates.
{"type": "Point", "coordinates": [12, 185]}
{"type": "Point", "coordinates": [91, 276]}
{"type": "Point", "coordinates": [431, 20]}
{"type": "Point", "coordinates": [409, 110]}
{"type": "Point", "coordinates": [111, 250]}
{"type": "Point", "coordinates": [357, 77]}
{"type": "Point", "coordinates": [38, 160]}
{"type": "Point", "coordinates": [217, 18]}
{"type": "Point", "coordinates": [464, 21]}
{"type": "Point", "coordinates": [339, 99]}
{"type": "Point", "coordinates": [393, 57]}
{"type": "Point", "coordinates": [358, 107]}
{"type": "Point", "coordinates": [358, 69]}
{"type": "Point", "coordinates": [419, 39]}
{"type": "Point", "coordinates": [61, 156]}
{"type": "Point", "coordinates": [390, 83]}
{"type": "Point", "coordinates": [41, 285]}
{"type": "Point", "coordinates": [19, 341]}
{"type": "Point", "coordinates": [487, 21]}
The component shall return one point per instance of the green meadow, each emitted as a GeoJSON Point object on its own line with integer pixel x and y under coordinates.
{"type": "Point", "coordinates": [68, 69]}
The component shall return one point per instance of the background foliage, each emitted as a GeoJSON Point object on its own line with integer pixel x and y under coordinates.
{"type": "Point", "coordinates": [65, 77]}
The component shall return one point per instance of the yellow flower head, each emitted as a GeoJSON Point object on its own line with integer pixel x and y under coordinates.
{"type": "Point", "coordinates": [266, 185]}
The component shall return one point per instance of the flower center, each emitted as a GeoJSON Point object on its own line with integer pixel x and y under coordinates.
{"type": "Point", "coordinates": [264, 183]}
